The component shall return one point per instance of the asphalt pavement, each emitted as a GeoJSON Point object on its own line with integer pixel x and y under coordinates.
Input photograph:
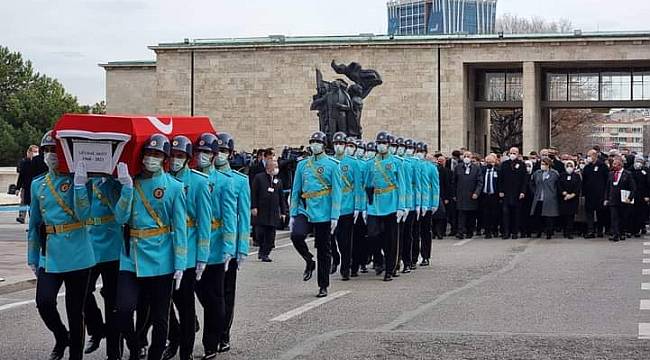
{"type": "Point", "coordinates": [480, 299]}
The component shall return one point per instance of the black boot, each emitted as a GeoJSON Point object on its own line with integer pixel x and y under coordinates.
{"type": "Point", "coordinates": [93, 344]}
{"type": "Point", "coordinates": [309, 270]}
{"type": "Point", "coordinates": [322, 293]}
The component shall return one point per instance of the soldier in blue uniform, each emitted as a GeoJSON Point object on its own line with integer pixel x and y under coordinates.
{"type": "Point", "coordinates": [412, 182]}
{"type": "Point", "coordinates": [430, 200]}
{"type": "Point", "coordinates": [210, 290]}
{"type": "Point", "coordinates": [107, 237]}
{"type": "Point", "coordinates": [316, 203]}
{"type": "Point", "coordinates": [59, 250]}
{"type": "Point", "coordinates": [386, 193]}
{"type": "Point", "coordinates": [199, 223]}
{"type": "Point", "coordinates": [240, 203]}
{"type": "Point", "coordinates": [155, 250]}
{"type": "Point", "coordinates": [360, 246]}
{"type": "Point", "coordinates": [344, 149]}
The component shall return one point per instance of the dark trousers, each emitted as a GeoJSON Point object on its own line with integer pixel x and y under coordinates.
{"type": "Point", "coordinates": [640, 216]}
{"type": "Point", "coordinates": [229, 290]}
{"type": "Point", "coordinates": [343, 233]}
{"type": "Point", "coordinates": [568, 221]}
{"type": "Point", "coordinates": [490, 213]}
{"type": "Point", "coordinates": [452, 217]}
{"type": "Point", "coordinates": [360, 245]}
{"type": "Point", "coordinates": [76, 289]}
{"type": "Point", "coordinates": [265, 236]}
{"type": "Point", "coordinates": [182, 329]}
{"type": "Point", "coordinates": [301, 227]}
{"type": "Point", "coordinates": [334, 251]}
{"type": "Point", "coordinates": [210, 291]}
{"type": "Point", "coordinates": [383, 230]}
{"type": "Point", "coordinates": [543, 223]}
{"type": "Point", "coordinates": [599, 226]}
{"type": "Point", "coordinates": [619, 215]}
{"type": "Point", "coordinates": [406, 239]}
{"type": "Point", "coordinates": [98, 326]}
{"type": "Point", "coordinates": [426, 224]}
{"type": "Point", "coordinates": [511, 214]}
{"type": "Point", "coordinates": [156, 291]}
{"type": "Point", "coordinates": [466, 222]}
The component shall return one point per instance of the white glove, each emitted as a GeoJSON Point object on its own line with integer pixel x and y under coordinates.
{"type": "Point", "coordinates": [405, 215]}
{"type": "Point", "coordinates": [34, 269]}
{"type": "Point", "coordinates": [227, 259]}
{"type": "Point", "coordinates": [356, 216]}
{"type": "Point", "coordinates": [178, 276]}
{"type": "Point", "coordinates": [417, 212]}
{"type": "Point", "coordinates": [399, 215]}
{"type": "Point", "coordinates": [364, 215]}
{"type": "Point", "coordinates": [80, 174]}
{"type": "Point", "coordinates": [200, 268]}
{"type": "Point", "coordinates": [123, 175]}
{"type": "Point", "coordinates": [423, 211]}
{"type": "Point", "coordinates": [333, 225]}
{"type": "Point", "coordinates": [241, 258]}
{"type": "Point", "coordinates": [291, 221]}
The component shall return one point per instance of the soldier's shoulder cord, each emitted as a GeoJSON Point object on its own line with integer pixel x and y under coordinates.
{"type": "Point", "coordinates": [198, 173]}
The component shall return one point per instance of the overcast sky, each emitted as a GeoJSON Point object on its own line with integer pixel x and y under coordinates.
{"type": "Point", "coordinates": [68, 38]}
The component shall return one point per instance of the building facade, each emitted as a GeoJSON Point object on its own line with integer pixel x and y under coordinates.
{"type": "Point", "coordinates": [436, 88]}
{"type": "Point", "coordinates": [421, 17]}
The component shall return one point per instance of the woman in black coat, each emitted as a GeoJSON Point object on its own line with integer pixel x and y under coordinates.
{"type": "Point", "coordinates": [569, 187]}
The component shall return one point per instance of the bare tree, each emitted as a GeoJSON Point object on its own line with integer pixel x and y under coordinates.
{"type": "Point", "coordinates": [506, 129]}
{"type": "Point", "coordinates": [572, 130]}
{"type": "Point", "coordinates": [513, 24]}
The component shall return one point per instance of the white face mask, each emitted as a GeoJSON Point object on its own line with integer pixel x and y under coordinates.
{"type": "Point", "coordinates": [544, 167]}
{"type": "Point", "coordinates": [176, 164]}
{"type": "Point", "coordinates": [222, 159]}
{"type": "Point", "coordinates": [410, 151]}
{"type": "Point", "coordinates": [420, 156]}
{"type": "Point", "coordinates": [152, 164]}
{"type": "Point", "coordinates": [382, 148]}
{"type": "Point", "coordinates": [638, 165]}
{"type": "Point", "coordinates": [316, 148]}
{"type": "Point", "coordinates": [204, 160]}
{"type": "Point", "coordinates": [339, 149]}
{"type": "Point", "coordinates": [588, 160]}
{"type": "Point", "coordinates": [51, 160]}
{"type": "Point", "coordinates": [393, 149]}
{"type": "Point", "coordinates": [350, 150]}
{"type": "Point", "coordinates": [360, 153]}
{"type": "Point", "coordinates": [35, 154]}
{"type": "Point", "coordinates": [513, 157]}
{"type": "Point", "coordinates": [401, 151]}
{"type": "Point", "coordinates": [570, 170]}
{"type": "Point", "coordinates": [370, 154]}
{"type": "Point", "coordinates": [467, 160]}
{"type": "Point", "coordinates": [275, 171]}
{"type": "Point", "coordinates": [582, 166]}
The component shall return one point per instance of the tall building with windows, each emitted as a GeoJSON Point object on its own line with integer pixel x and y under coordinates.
{"type": "Point", "coordinates": [421, 17]}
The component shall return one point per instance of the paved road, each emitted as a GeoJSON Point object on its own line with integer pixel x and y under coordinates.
{"type": "Point", "coordinates": [484, 299]}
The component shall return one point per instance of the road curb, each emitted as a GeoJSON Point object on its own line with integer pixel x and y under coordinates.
{"type": "Point", "coordinates": [13, 286]}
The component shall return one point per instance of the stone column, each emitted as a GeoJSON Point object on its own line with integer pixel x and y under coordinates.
{"type": "Point", "coordinates": [532, 110]}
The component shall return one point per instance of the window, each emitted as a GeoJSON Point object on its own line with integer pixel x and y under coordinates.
{"type": "Point", "coordinates": [641, 86]}
{"type": "Point", "coordinates": [502, 86]}
{"type": "Point", "coordinates": [557, 87]}
{"type": "Point", "coordinates": [616, 86]}
{"type": "Point", "coordinates": [583, 87]}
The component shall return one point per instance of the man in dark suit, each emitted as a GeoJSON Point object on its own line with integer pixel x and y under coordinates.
{"type": "Point", "coordinates": [452, 214]}
{"type": "Point", "coordinates": [446, 194]}
{"type": "Point", "coordinates": [468, 181]}
{"type": "Point", "coordinates": [28, 169]}
{"type": "Point", "coordinates": [268, 207]}
{"type": "Point", "coordinates": [619, 181]}
{"type": "Point", "coordinates": [512, 185]}
{"type": "Point", "coordinates": [489, 200]}
{"type": "Point", "coordinates": [594, 184]}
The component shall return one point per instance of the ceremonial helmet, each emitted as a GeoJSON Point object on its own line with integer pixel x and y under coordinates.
{"type": "Point", "coordinates": [409, 143]}
{"type": "Point", "coordinates": [351, 141]}
{"type": "Point", "coordinates": [183, 144]}
{"type": "Point", "coordinates": [360, 144]}
{"type": "Point", "coordinates": [158, 142]}
{"type": "Point", "coordinates": [391, 139]}
{"type": "Point", "coordinates": [371, 146]}
{"type": "Point", "coordinates": [420, 146]}
{"type": "Point", "coordinates": [48, 139]}
{"type": "Point", "coordinates": [225, 141]}
{"type": "Point", "coordinates": [339, 137]}
{"type": "Point", "coordinates": [318, 136]}
{"type": "Point", "coordinates": [399, 141]}
{"type": "Point", "coordinates": [382, 137]}
{"type": "Point", "coordinates": [206, 142]}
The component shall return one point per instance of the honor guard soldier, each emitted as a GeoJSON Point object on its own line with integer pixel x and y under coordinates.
{"type": "Point", "coordinates": [199, 222]}
{"type": "Point", "coordinates": [210, 290]}
{"type": "Point", "coordinates": [351, 207]}
{"type": "Point", "coordinates": [107, 237]}
{"type": "Point", "coordinates": [59, 250]}
{"type": "Point", "coordinates": [359, 238]}
{"type": "Point", "coordinates": [155, 248]}
{"type": "Point", "coordinates": [430, 201]}
{"type": "Point", "coordinates": [413, 198]}
{"type": "Point", "coordinates": [316, 203]}
{"type": "Point", "coordinates": [386, 202]}
{"type": "Point", "coordinates": [239, 204]}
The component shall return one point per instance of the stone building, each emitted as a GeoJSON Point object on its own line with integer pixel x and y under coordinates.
{"type": "Point", "coordinates": [436, 88]}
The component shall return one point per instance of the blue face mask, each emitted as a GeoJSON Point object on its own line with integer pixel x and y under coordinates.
{"type": "Point", "coordinates": [222, 159]}
{"type": "Point", "coordinates": [339, 149]}
{"type": "Point", "coordinates": [152, 164]}
{"type": "Point", "coordinates": [316, 148]}
{"type": "Point", "coordinates": [204, 160]}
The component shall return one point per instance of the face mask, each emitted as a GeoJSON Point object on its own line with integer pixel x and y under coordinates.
{"type": "Point", "coordinates": [410, 151]}
{"type": "Point", "coordinates": [582, 166]}
{"type": "Point", "coordinates": [222, 159]}
{"type": "Point", "coordinates": [316, 148]}
{"type": "Point", "coordinates": [529, 169]}
{"type": "Point", "coordinates": [382, 148]}
{"type": "Point", "coordinates": [544, 167]}
{"type": "Point", "coordinates": [370, 154]}
{"type": "Point", "coordinates": [638, 165]}
{"type": "Point", "coordinates": [360, 153]}
{"type": "Point", "coordinates": [35, 154]}
{"type": "Point", "coordinates": [204, 160]}
{"type": "Point", "coordinates": [467, 160]}
{"type": "Point", "coordinates": [176, 164]}
{"type": "Point", "coordinates": [570, 170]}
{"type": "Point", "coordinates": [420, 156]}
{"type": "Point", "coordinates": [275, 171]}
{"type": "Point", "coordinates": [152, 164]}
{"type": "Point", "coordinates": [51, 160]}
{"type": "Point", "coordinates": [401, 151]}
{"type": "Point", "coordinates": [350, 150]}
{"type": "Point", "coordinates": [339, 149]}
{"type": "Point", "coordinates": [393, 150]}
{"type": "Point", "coordinates": [589, 160]}
{"type": "Point", "coordinates": [513, 157]}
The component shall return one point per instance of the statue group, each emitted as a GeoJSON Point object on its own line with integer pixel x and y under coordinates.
{"type": "Point", "coordinates": [340, 105]}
